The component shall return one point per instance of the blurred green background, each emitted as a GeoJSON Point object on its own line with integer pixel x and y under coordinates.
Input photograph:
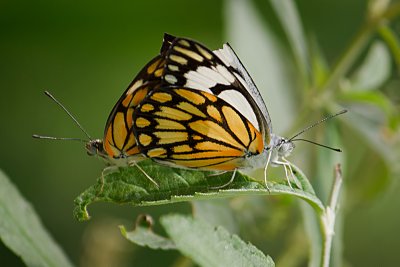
{"type": "Point", "coordinates": [87, 52]}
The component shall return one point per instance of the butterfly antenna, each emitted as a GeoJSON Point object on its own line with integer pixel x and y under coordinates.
{"type": "Point", "coordinates": [318, 144]}
{"type": "Point", "coordinates": [70, 115]}
{"type": "Point", "coordinates": [58, 138]}
{"type": "Point", "coordinates": [315, 124]}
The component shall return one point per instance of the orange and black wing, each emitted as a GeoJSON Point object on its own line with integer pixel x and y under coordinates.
{"type": "Point", "coordinates": [221, 73]}
{"type": "Point", "coordinates": [119, 141]}
{"type": "Point", "coordinates": [194, 129]}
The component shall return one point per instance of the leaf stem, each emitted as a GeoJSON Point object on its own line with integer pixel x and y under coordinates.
{"type": "Point", "coordinates": [328, 217]}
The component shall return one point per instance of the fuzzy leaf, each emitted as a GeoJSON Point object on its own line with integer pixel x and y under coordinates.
{"type": "Point", "coordinates": [375, 69]}
{"type": "Point", "coordinates": [22, 231]}
{"type": "Point", "coordinates": [266, 59]}
{"type": "Point", "coordinates": [211, 246]}
{"type": "Point", "coordinates": [145, 237]}
{"type": "Point", "coordinates": [392, 41]}
{"type": "Point", "coordinates": [290, 19]}
{"type": "Point", "coordinates": [375, 98]}
{"type": "Point", "coordinates": [128, 185]}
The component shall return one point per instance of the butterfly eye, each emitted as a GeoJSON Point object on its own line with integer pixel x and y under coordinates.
{"type": "Point", "coordinates": [285, 148]}
{"type": "Point", "coordinates": [94, 147]}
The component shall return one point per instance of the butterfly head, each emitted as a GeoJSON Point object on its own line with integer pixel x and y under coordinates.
{"type": "Point", "coordinates": [95, 147]}
{"type": "Point", "coordinates": [285, 147]}
{"type": "Point", "coordinates": [282, 146]}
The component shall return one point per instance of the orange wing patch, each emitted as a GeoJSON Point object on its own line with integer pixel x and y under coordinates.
{"type": "Point", "coordinates": [197, 130]}
{"type": "Point", "coordinates": [119, 140]}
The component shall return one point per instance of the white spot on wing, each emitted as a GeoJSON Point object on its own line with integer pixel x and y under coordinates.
{"type": "Point", "coordinates": [173, 68]}
{"type": "Point", "coordinates": [226, 73]}
{"type": "Point", "coordinates": [212, 74]}
{"type": "Point", "coordinates": [198, 78]}
{"type": "Point", "coordinates": [198, 86]}
{"type": "Point", "coordinates": [170, 78]}
{"type": "Point", "coordinates": [134, 87]}
{"type": "Point", "coordinates": [221, 54]}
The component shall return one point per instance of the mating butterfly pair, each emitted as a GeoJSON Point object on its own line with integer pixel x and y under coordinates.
{"type": "Point", "coordinates": [194, 108]}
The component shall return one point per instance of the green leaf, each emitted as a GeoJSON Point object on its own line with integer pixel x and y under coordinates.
{"type": "Point", "coordinates": [327, 159]}
{"type": "Point", "coordinates": [145, 237]}
{"type": "Point", "coordinates": [270, 66]}
{"type": "Point", "coordinates": [211, 246]}
{"type": "Point", "coordinates": [375, 69]}
{"type": "Point", "coordinates": [216, 212]}
{"type": "Point", "coordinates": [22, 231]}
{"type": "Point", "coordinates": [291, 23]}
{"type": "Point", "coordinates": [379, 155]}
{"type": "Point", "coordinates": [368, 123]}
{"type": "Point", "coordinates": [392, 41]}
{"type": "Point", "coordinates": [319, 65]}
{"type": "Point", "coordinates": [313, 231]}
{"type": "Point", "coordinates": [128, 185]}
{"type": "Point", "coordinates": [375, 98]}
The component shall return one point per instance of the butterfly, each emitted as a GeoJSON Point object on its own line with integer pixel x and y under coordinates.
{"type": "Point", "coordinates": [118, 146]}
{"type": "Point", "coordinates": [208, 115]}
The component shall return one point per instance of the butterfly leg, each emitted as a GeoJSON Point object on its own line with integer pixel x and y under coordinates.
{"type": "Point", "coordinates": [285, 167]}
{"type": "Point", "coordinates": [228, 183]}
{"type": "Point", "coordinates": [217, 173]}
{"type": "Point", "coordinates": [294, 178]}
{"type": "Point", "coordinates": [288, 170]}
{"type": "Point", "coordinates": [134, 164]}
{"type": "Point", "coordinates": [265, 170]}
{"type": "Point", "coordinates": [106, 171]}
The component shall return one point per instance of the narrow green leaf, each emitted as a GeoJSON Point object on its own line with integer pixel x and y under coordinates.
{"type": "Point", "coordinates": [375, 69]}
{"type": "Point", "coordinates": [145, 237]}
{"type": "Point", "coordinates": [211, 246]}
{"type": "Point", "coordinates": [271, 66]}
{"type": "Point", "coordinates": [130, 186]}
{"type": "Point", "coordinates": [393, 42]}
{"type": "Point", "coordinates": [327, 159]}
{"type": "Point", "coordinates": [370, 144]}
{"type": "Point", "coordinates": [375, 98]}
{"type": "Point", "coordinates": [319, 65]}
{"type": "Point", "coordinates": [368, 124]}
{"type": "Point", "coordinates": [22, 231]}
{"type": "Point", "coordinates": [290, 20]}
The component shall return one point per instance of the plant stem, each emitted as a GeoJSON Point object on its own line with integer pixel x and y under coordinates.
{"type": "Point", "coordinates": [328, 217]}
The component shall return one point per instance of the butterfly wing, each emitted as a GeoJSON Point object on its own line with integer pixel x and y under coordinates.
{"type": "Point", "coordinates": [119, 141]}
{"type": "Point", "coordinates": [194, 129]}
{"type": "Point", "coordinates": [190, 64]}
{"type": "Point", "coordinates": [229, 57]}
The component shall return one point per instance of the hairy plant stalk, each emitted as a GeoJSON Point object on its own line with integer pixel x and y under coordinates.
{"type": "Point", "coordinates": [328, 217]}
